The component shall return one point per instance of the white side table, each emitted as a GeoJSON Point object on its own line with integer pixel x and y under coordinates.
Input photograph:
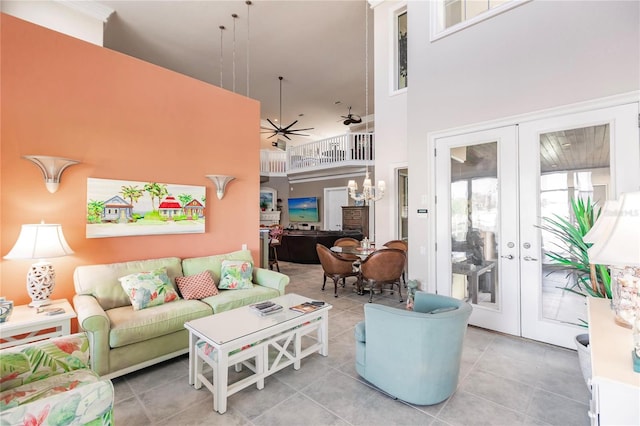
{"type": "Point", "coordinates": [27, 320]}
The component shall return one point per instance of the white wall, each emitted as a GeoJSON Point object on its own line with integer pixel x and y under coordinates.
{"type": "Point", "coordinates": [82, 20]}
{"type": "Point", "coordinates": [391, 121]}
{"type": "Point", "coordinates": [539, 55]}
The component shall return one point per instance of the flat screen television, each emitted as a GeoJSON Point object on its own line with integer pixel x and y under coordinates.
{"type": "Point", "coordinates": [303, 209]}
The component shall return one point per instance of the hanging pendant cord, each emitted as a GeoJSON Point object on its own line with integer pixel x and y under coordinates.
{"type": "Point", "coordinates": [366, 76]}
{"type": "Point", "coordinates": [280, 124]}
{"type": "Point", "coordinates": [234, 16]}
{"type": "Point", "coordinates": [221, 61]}
{"type": "Point", "coordinates": [248, 2]}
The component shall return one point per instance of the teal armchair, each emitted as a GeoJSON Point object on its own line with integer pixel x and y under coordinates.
{"type": "Point", "coordinates": [413, 355]}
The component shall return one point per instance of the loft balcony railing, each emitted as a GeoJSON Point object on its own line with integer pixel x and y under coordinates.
{"type": "Point", "coordinates": [351, 149]}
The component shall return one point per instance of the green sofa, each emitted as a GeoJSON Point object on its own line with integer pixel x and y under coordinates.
{"type": "Point", "coordinates": [124, 340]}
{"type": "Point", "coordinates": [49, 382]}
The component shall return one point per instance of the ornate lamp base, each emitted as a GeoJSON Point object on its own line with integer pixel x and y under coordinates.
{"type": "Point", "coordinates": [625, 289]}
{"type": "Point", "coordinates": [40, 283]}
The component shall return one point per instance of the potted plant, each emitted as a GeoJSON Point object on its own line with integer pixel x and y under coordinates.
{"type": "Point", "coordinates": [572, 256]}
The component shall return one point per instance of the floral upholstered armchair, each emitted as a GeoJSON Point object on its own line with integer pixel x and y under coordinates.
{"type": "Point", "coordinates": [50, 382]}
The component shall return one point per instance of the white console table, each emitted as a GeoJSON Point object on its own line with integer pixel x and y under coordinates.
{"type": "Point", "coordinates": [615, 387]}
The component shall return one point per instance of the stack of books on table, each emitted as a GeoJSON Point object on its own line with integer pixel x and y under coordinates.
{"type": "Point", "coordinates": [266, 308]}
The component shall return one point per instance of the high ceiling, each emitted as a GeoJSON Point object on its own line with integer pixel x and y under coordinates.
{"type": "Point", "coordinates": [317, 46]}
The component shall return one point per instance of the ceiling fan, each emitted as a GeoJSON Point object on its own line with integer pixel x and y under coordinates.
{"type": "Point", "coordinates": [351, 118]}
{"type": "Point", "coordinates": [284, 131]}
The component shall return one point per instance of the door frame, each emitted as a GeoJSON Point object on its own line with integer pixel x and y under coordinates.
{"type": "Point", "coordinates": [328, 206]}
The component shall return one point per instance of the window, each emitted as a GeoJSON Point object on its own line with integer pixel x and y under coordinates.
{"type": "Point", "coordinates": [448, 16]}
{"type": "Point", "coordinates": [401, 77]}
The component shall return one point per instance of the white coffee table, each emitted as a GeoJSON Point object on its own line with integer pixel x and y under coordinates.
{"type": "Point", "coordinates": [229, 332]}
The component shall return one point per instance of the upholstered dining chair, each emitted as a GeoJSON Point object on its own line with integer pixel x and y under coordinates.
{"type": "Point", "coordinates": [334, 267]}
{"type": "Point", "coordinates": [413, 355]}
{"type": "Point", "coordinates": [348, 242]}
{"type": "Point", "coordinates": [402, 245]}
{"type": "Point", "coordinates": [382, 267]}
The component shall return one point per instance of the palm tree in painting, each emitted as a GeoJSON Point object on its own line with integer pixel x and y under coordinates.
{"type": "Point", "coordinates": [132, 193]}
{"type": "Point", "coordinates": [155, 190]}
{"type": "Point", "coordinates": [94, 211]}
{"type": "Point", "coordinates": [184, 200]}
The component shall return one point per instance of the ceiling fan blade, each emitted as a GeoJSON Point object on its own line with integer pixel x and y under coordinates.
{"type": "Point", "coordinates": [274, 126]}
{"type": "Point", "coordinates": [300, 130]}
{"type": "Point", "coordinates": [286, 128]}
{"type": "Point", "coordinates": [285, 135]}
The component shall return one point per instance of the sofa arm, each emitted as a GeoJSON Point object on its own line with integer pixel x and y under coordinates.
{"type": "Point", "coordinates": [271, 279]}
{"type": "Point", "coordinates": [95, 322]}
{"type": "Point", "coordinates": [69, 405]}
{"type": "Point", "coordinates": [31, 362]}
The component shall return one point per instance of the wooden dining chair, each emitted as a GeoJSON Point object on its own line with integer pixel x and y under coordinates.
{"type": "Point", "coordinates": [275, 236]}
{"type": "Point", "coordinates": [334, 267]}
{"type": "Point", "coordinates": [382, 267]}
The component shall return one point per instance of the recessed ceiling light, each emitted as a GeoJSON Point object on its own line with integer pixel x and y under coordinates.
{"type": "Point", "coordinates": [337, 102]}
{"type": "Point", "coordinates": [301, 115]}
{"type": "Point", "coordinates": [566, 145]}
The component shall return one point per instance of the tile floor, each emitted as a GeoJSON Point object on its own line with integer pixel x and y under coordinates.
{"type": "Point", "coordinates": [503, 381]}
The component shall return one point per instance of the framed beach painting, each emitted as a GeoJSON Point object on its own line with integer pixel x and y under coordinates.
{"type": "Point", "coordinates": [118, 208]}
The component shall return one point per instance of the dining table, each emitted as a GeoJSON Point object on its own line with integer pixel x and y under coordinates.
{"type": "Point", "coordinates": [361, 252]}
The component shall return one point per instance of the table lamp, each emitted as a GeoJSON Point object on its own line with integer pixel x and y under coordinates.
{"type": "Point", "coordinates": [40, 241]}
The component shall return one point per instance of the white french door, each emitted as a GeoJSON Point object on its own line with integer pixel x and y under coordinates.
{"type": "Point", "coordinates": [477, 227]}
{"type": "Point", "coordinates": [598, 158]}
{"type": "Point", "coordinates": [493, 187]}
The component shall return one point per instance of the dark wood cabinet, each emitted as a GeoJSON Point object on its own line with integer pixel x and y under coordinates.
{"type": "Point", "coordinates": [356, 218]}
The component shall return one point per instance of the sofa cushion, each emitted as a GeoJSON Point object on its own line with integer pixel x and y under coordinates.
{"type": "Point", "coordinates": [236, 275]}
{"type": "Point", "coordinates": [101, 281]}
{"type": "Point", "coordinates": [129, 326]}
{"type": "Point", "coordinates": [147, 289]}
{"type": "Point", "coordinates": [213, 264]}
{"type": "Point", "coordinates": [197, 286]}
{"type": "Point", "coordinates": [231, 299]}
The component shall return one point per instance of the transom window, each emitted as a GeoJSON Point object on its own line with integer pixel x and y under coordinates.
{"type": "Point", "coordinates": [401, 50]}
{"type": "Point", "coordinates": [449, 16]}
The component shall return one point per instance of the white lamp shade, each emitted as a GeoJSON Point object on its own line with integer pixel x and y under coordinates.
{"type": "Point", "coordinates": [603, 226]}
{"type": "Point", "coordinates": [622, 245]}
{"type": "Point", "coordinates": [381, 185]}
{"type": "Point", "coordinates": [40, 241]}
{"type": "Point", "coordinates": [352, 185]}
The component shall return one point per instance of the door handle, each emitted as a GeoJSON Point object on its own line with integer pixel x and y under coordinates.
{"type": "Point", "coordinates": [509, 256]}
{"type": "Point", "coordinates": [529, 259]}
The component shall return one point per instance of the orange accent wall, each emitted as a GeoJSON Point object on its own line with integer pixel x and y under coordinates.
{"type": "Point", "coordinates": [122, 118]}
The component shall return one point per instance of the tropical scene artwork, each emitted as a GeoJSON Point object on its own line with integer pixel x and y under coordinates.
{"type": "Point", "coordinates": [117, 208]}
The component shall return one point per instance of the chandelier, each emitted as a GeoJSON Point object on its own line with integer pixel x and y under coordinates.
{"type": "Point", "coordinates": [369, 193]}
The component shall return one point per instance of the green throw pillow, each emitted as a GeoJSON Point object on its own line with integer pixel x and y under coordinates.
{"type": "Point", "coordinates": [235, 275]}
{"type": "Point", "coordinates": [147, 289]}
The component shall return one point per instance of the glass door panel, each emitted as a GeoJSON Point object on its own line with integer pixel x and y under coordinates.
{"type": "Point", "coordinates": [474, 223]}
